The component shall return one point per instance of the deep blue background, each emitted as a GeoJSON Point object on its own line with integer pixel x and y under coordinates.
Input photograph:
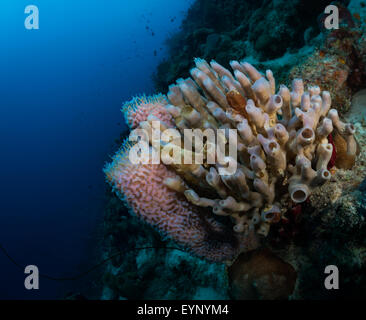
{"type": "Point", "coordinates": [61, 88]}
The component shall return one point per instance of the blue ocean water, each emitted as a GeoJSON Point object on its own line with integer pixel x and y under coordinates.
{"type": "Point", "coordinates": [61, 88]}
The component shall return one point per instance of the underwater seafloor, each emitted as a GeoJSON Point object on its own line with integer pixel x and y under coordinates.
{"type": "Point", "coordinates": [328, 229]}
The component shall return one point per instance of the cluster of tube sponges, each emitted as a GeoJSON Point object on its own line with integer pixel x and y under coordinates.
{"type": "Point", "coordinates": [282, 145]}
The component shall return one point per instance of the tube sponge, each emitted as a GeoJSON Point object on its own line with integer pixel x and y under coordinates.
{"type": "Point", "coordinates": [282, 156]}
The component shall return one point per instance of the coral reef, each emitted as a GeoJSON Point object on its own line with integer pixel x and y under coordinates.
{"type": "Point", "coordinates": [338, 64]}
{"type": "Point", "coordinates": [232, 29]}
{"type": "Point", "coordinates": [328, 228]}
{"type": "Point", "coordinates": [275, 154]}
{"type": "Point", "coordinates": [332, 229]}
{"type": "Point", "coordinates": [334, 60]}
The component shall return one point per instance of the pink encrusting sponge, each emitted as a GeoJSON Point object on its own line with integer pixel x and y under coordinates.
{"type": "Point", "coordinates": [139, 108]}
{"type": "Point", "coordinates": [142, 188]}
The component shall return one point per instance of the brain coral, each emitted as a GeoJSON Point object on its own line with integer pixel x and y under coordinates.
{"type": "Point", "coordinates": [282, 156]}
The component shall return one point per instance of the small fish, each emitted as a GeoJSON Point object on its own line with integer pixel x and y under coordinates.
{"type": "Point", "coordinates": [357, 16]}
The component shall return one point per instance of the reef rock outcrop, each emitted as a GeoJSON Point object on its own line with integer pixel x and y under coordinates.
{"type": "Point", "coordinates": [261, 275]}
